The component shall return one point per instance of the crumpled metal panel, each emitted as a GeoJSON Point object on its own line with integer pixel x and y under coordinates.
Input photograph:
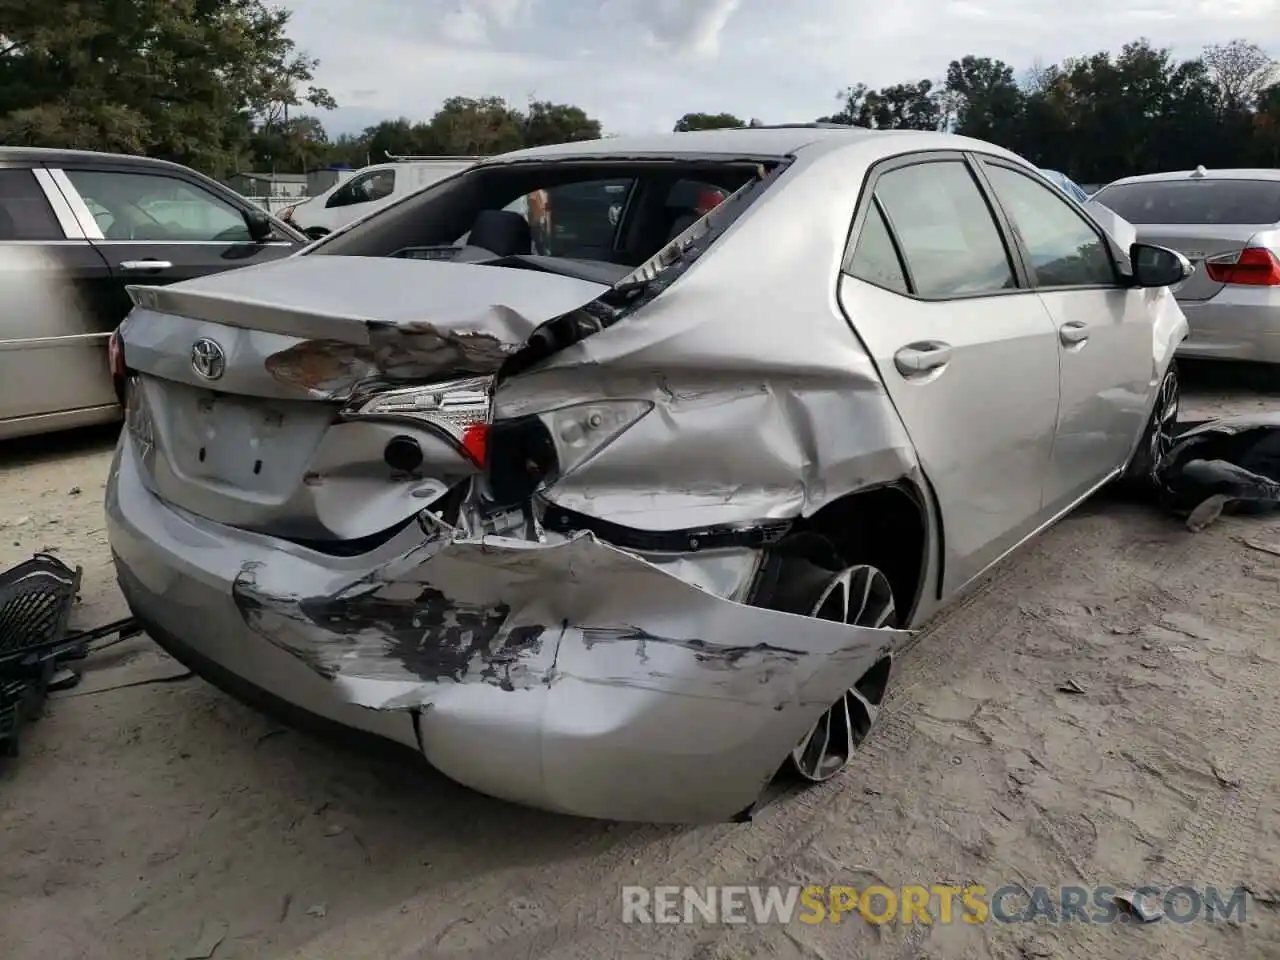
{"type": "Point", "coordinates": [673, 703]}
{"type": "Point", "coordinates": [333, 326]}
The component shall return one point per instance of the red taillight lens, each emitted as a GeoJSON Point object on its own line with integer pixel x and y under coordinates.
{"type": "Point", "coordinates": [1253, 266]}
{"type": "Point", "coordinates": [475, 441]}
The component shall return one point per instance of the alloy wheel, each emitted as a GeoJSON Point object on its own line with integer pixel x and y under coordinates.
{"type": "Point", "coordinates": [859, 596]}
{"type": "Point", "coordinates": [1164, 418]}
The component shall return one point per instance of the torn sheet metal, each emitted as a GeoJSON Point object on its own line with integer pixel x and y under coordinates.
{"type": "Point", "coordinates": [630, 693]}
{"type": "Point", "coordinates": [1230, 465]}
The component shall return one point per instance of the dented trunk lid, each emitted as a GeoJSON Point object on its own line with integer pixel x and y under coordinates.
{"type": "Point", "coordinates": [253, 427]}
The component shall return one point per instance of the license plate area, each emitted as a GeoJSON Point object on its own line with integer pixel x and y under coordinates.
{"type": "Point", "coordinates": [234, 442]}
{"type": "Point", "coordinates": [252, 445]}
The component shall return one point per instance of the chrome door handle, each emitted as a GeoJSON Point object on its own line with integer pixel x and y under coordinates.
{"type": "Point", "coordinates": [1077, 331]}
{"type": "Point", "coordinates": [918, 358]}
{"type": "Point", "coordinates": [145, 265]}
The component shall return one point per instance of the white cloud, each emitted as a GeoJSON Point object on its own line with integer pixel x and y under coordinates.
{"type": "Point", "coordinates": [679, 26]}
{"type": "Point", "coordinates": [639, 64]}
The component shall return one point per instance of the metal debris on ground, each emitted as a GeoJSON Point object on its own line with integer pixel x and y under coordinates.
{"type": "Point", "coordinates": [1139, 906]}
{"type": "Point", "coordinates": [36, 597]}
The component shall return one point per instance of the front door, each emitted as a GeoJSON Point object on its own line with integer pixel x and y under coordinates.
{"type": "Point", "coordinates": [158, 228]}
{"type": "Point", "coordinates": [968, 354]}
{"type": "Point", "coordinates": [1105, 332]}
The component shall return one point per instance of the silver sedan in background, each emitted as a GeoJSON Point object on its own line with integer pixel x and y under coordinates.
{"type": "Point", "coordinates": [1227, 223]}
{"type": "Point", "coordinates": [629, 530]}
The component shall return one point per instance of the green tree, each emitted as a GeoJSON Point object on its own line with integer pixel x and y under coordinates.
{"type": "Point", "coordinates": [186, 80]}
{"type": "Point", "coordinates": [906, 106]}
{"type": "Point", "coordinates": [547, 123]}
{"type": "Point", "coordinates": [476, 127]}
{"type": "Point", "coordinates": [708, 121]}
{"type": "Point", "coordinates": [296, 145]}
{"type": "Point", "coordinates": [989, 104]}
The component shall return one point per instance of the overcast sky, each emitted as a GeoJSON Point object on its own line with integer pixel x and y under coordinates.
{"type": "Point", "coordinates": [637, 65]}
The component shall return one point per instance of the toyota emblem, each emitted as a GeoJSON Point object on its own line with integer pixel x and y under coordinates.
{"type": "Point", "coordinates": [207, 359]}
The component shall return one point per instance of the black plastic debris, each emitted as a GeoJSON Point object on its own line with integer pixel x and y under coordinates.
{"type": "Point", "coordinates": [36, 598]}
{"type": "Point", "coordinates": [1222, 466]}
{"type": "Point", "coordinates": [35, 603]}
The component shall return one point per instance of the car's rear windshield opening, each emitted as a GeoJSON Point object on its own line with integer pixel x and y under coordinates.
{"type": "Point", "coordinates": [1195, 201]}
{"type": "Point", "coordinates": [612, 215]}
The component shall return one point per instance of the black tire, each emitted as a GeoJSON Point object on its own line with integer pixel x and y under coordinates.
{"type": "Point", "coordinates": [1157, 438]}
{"type": "Point", "coordinates": [800, 581]}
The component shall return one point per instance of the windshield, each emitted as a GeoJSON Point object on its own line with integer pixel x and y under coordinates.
{"type": "Point", "coordinates": [1205, 201]}
{"type": "Point", "coordinates": [612, 216]}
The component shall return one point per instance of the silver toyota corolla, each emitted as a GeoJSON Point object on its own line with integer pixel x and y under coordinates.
{"type": "Point", "coordinates": [629, 528]}
{"type": "Point", "coordinates": [1227, 223]}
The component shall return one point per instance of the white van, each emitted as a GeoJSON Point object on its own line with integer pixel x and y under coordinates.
{"type": "Point", "coordinates": [368, 189]}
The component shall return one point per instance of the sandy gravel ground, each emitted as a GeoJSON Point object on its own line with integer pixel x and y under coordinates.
{"type": "Point", "coordinates": [1103, 711]}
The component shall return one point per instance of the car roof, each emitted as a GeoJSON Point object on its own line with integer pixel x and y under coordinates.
{"type": "Point", "coordinates": [770, 141]}
{"type": "Point", "coordinates": [1201, 173]}
{"type": "Point", "coordinates": [47, 155]}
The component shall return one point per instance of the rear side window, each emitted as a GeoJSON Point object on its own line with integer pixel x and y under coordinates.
{"type": "Point", "coordinates": [24, 211]}
{"type": "Point", "coordinates": [1205, 201]}
{"type": "Point", "coordinates": [875, 259]}
{"type": "Point", "coordinates": [945, 229]}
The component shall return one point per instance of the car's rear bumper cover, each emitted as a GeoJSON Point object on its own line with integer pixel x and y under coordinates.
{"type": "Point", "coordinates": [1239, 325]}
{"type": "Point", "coordinates": [568, 675]}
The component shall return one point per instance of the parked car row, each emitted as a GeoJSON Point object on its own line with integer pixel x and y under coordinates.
{"type": "Point", "coordinates": [627, 527]}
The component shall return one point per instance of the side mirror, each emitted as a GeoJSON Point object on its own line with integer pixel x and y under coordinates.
{"type": "Point", "coordinates": [260, 228]}
{"type": "Point", "coordinates": [1158, 266]}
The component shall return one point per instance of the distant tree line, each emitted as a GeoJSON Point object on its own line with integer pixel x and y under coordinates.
{"type": "Point", "coordinates": [220, 86]}
{"type": "Point", "coordinates": [1096, 117]}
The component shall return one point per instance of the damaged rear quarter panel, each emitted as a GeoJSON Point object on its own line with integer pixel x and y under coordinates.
{"type": "Point", "coordinates": [766, 403]}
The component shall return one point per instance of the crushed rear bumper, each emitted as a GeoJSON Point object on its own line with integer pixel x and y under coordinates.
{"type": "Point", "coordinates": [568, 675]}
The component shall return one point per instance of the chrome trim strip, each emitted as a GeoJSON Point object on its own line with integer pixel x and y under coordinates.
{"type": "Point", "coordinates": [199, 243]}
{"type": "Point", "coordinates": [67, 219]}
{"type": "Point", "coordinates": [89, 225]}
{"type": "Point", "coordinates": [44, 243]}
{"type": "Point", "coordinates": [45, 343]}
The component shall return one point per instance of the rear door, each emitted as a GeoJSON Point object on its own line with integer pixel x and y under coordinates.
{"type": "Point", "coordinates": [967, 352]}
{"type": "Point", "coordinates": [157, 227]}
{"type": "Point", "coordinates": [1105, 331]}
{"type": "Point", "coordinates": [56, 291]}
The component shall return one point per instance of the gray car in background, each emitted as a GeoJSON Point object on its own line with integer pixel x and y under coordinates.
{"type": "Point", "coordinates": [626, 529]}
{"type": "Point", "coordinates": [1227, 222]}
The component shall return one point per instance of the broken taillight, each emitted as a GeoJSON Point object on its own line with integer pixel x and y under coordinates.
{"type": "Point", "coordinates": [459, 409]}
{"type": "Point", "coordinates": [475, 442]}
{"type": "Point", "coordinates": [1252, 266]}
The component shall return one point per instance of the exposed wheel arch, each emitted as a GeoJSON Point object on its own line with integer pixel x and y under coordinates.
{"type": "Point", "coordinates": [885, 526]}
